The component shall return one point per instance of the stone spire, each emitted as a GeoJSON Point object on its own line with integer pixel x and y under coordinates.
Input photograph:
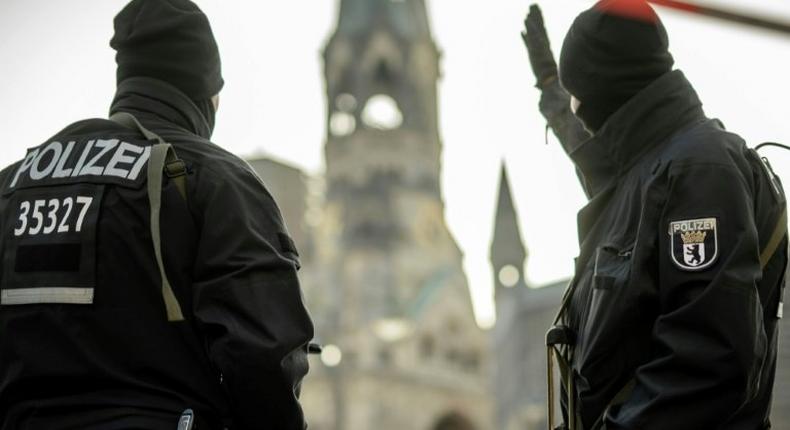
{"type": "Point", "coordinates": [507, 247]}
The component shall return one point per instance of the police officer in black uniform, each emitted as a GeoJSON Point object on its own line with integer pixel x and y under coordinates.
{"type": "Point", "coordinates": [145, 270]}
{"type": "Point", "coordinates": [670, 321]}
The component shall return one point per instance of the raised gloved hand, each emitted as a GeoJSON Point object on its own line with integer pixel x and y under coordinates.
{"type": "Point", "coordinates": [537, 41]}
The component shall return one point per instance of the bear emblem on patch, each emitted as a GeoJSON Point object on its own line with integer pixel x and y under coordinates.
{"type": "Point", "coordinates": [693, 243]}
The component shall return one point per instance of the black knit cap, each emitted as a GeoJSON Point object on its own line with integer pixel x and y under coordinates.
{"type": "Point", "coordinates": [613, 51]}
{"type": "Point", "coordinates": [170, 40]}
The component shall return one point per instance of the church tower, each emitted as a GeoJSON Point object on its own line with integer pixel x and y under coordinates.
{"type": "Point", "coordinates": [395, 301]}
{"type": "Point", "coordinates": [382, 68]}
{"type": "Point", "coordinates": [383, 155]}
{"type": "Point", "coordinates": [508, 253]}
{"type": "Point", "coordinates": [514, 340]}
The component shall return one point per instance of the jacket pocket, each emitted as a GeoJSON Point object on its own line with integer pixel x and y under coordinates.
{"type": "Point", "coordinates": [606, 316]}
{"type": "Point", "coordinates": [611, 272]}
{"type": "Point", "coordinates": [612, 267]}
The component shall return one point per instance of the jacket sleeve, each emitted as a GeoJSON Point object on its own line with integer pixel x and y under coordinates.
{"type": "Point", "coordinates": [555, 107]}
{"type": "Point", "coordinates": [248, 303]}
{"type": "Point", "coordinates": [708, 342]}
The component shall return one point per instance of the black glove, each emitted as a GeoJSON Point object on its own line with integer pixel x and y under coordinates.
{"type": "Point", "coordinates": [537, 41]}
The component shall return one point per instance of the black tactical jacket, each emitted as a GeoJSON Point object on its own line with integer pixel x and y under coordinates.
{"type": "Point", "coordinates": [668, 292]}
{"type": "Point", "coordinates": [84, 338]}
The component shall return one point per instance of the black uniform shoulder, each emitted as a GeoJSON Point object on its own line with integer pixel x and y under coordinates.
{"type": "Point", "coordinates": [194, 149]}
{"type": "Point", "coordinates": [709, 150]}
{"type": "Point", "coordinates": [217, 176]}
{"type": "Point", "coordinates": [227, 190]}
{"type": "Point", "coordinates": [6, 174]}
{"type": "Point", "coordinates": [211, 159]}
{"type": "Point", "coordinates": [90, 126]}
{"type": "Point", "coordinates": [707, 143]}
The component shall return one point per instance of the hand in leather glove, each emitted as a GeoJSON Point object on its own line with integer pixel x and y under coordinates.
{"type": "Point", "coordinates": [537, 41]}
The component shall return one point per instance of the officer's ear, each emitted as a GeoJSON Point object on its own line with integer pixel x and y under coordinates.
{"type": "Point", "coordinates": [215, 102]}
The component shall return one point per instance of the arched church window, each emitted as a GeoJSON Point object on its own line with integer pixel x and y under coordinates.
{"type": "Point", "coordinates": [509, 276]}
{"type": "Point", "coordinates": [453, 421]}
{"type": "Point", "coordinates": [385, 356]}
{"type": "Point", "coordinates": [453, 327]}
{"type": "Point", "coordinates": [427, 346]}
{"type": "Point", "coordinates": [383, 73]}
{"type": "Point", "coordinates": [382, 112]}
{"type": "Point", "coordinates": [472, 361]}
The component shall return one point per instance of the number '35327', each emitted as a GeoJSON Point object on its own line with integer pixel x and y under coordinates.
{"type": "Point", "coordinates": [52, 215]}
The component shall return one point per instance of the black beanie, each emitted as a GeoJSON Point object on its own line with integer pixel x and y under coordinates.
{"type": "Point", "coordinates": [170, 40]}
{"type": "Point", "coordinates": [612, 51]}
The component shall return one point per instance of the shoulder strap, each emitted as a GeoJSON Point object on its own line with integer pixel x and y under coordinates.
{"type": "Point", "coordinates": [162, 158]}
{"type": "Point", "coordinates": [774, 240]}
{"type": "Point", "coordinates": [174, 166]}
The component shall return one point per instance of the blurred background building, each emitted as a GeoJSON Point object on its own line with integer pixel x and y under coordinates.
{"type": "Point", "coordinates": [523, 316]}
{"type": "Point", "coordinates": [381, 272]}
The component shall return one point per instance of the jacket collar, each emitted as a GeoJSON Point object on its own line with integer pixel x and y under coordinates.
{"type": "Point", "coordinates": [665, 107]}
{"type": "Point", "coordinates": [142, 96]}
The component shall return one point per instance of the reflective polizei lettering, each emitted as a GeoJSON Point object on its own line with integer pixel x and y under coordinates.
{"type": "Point", "coordinates": [99, 157]}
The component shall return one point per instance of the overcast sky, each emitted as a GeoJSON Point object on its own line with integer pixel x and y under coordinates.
{"type": "Point", "coordinates": [56, 68]}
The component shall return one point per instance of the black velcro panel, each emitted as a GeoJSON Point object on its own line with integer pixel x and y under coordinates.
{"type": "Point", "coordinates": [60, 257]}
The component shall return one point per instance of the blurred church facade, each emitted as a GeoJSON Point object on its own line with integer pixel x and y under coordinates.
{"type": "Point", "coordinates": [381, 272]}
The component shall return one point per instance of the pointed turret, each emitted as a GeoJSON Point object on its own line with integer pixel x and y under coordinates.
{"type": "Point", "coordinates": [508, 253]}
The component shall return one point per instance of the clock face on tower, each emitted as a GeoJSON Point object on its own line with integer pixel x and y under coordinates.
{"type": "Point", "coordinates": [509, 276]}
{"type": "Point", "coordinates": [382, 112]}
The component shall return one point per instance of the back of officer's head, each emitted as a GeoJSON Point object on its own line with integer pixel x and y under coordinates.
{"type": "Point", "coordinates": [169, 40]}
{"type": "Point", "coordinates": [613, 51]}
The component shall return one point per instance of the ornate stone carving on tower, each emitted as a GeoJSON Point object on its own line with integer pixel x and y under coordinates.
{"type": "Point", "coordinates": [388, 289]}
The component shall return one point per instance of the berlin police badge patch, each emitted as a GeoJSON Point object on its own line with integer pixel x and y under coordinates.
{"type": "Point", "coordinates": [693, 242]}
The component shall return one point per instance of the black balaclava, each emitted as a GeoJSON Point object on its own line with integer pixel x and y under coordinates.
{"type": "Point", "coordinates": [612, 51]}
{"type": "Point", "coordinates": [170, 40]}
